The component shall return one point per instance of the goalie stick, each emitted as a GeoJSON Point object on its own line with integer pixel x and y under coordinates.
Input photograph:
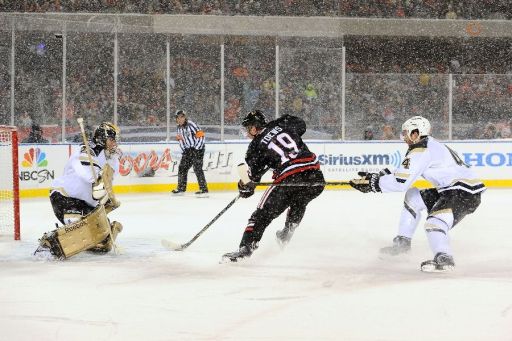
{"type": "Point", "coordinates": [80, 121]}
{"type": "Point", "coordinates": [180, 247]}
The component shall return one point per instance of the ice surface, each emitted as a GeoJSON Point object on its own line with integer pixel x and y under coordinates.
{"type": "Point", "coordinates": [329, 283]}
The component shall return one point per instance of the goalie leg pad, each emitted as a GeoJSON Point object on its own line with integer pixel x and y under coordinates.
{"type": "Point", "coordinates": [107, 244]}
{"type": "Point", "coordinates": [84, 234]}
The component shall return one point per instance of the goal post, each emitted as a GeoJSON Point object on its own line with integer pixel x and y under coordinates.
{"type": "Point", "coordinates": [9, 183]}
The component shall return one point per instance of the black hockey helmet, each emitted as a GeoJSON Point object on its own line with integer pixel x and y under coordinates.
{"type": "Point", "coordinates": [180, 113]}
{"type": "Point", "coordinates": [254, 118]}
{"type": "Point", "coordinates": [104, 131]}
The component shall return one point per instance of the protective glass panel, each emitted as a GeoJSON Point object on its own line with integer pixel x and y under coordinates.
{"type": "Point", "coordinates": [195, 82]}
{"type": "Point", "coordinates": [38, 86]}
{"type": "Point", "coordinates": [89, 81]}
{"type": "Point", "coordinates": [249, 79]}
{"type": "Point", "coordinates": [378, 104]}
{"type": "Point", "coordinates": [482, 106]}
{"type": "Point", "coordinates": [5, 77]}
{"type": "Point", "coordinates": [141, 94]}
{"type": "Point", "coordinates": [310, 84]}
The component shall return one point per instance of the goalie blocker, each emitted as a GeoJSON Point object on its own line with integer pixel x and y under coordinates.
{"type": "Point", "coordinates": [90, 233]}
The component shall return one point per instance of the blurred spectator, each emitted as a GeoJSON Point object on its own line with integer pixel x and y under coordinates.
{"type": "Point", "coordinates": [490, 132]}
{"type": "Point", "coordinates": [88, 132]}
{"type": "Point", "coordinates": [310, 92]}
{"type": "Point", "coordinates": [368, 133]}
{"type": "Point", "coordinates": [433, 9]}
{"type": "Point", "coordinates": [388, 133]}
{"type": "Point", "coordinates": [35, 135]}
{"type": "Point", "coordinates": [25, 120]}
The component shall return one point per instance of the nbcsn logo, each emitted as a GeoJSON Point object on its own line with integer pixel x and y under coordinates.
{"type": "Point", "coordinates": [34, 157]}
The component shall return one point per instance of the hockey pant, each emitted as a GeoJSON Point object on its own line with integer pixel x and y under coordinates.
{"type": "Point", "coordinates": [276, 200]}
{"type": "Point", "coordinates": [191, 158]}
{"type": "Point", "coordinates": [67, 209]}
{"type": "Point", "coordinates": [445, 210]}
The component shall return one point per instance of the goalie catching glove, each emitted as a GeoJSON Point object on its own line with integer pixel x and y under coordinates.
{"type": "Point", "coordinates": [99, 192]}
{"type": "Point", "coordinates": [246, 190]}
{"type": "Point", "coordinates": [369, 182]}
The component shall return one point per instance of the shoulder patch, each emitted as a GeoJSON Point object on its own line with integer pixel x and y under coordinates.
{"type": "Point", "coordinates": [416, 150]}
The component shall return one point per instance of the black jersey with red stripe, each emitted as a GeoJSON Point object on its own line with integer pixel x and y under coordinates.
{"type": "Point", "coordinates": [279, 146]}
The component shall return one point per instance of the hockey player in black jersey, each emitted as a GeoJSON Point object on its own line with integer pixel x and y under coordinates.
{"type": "Point", "coordinates": [277, 145]}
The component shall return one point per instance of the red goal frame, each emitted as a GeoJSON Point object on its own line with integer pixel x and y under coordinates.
{"type": "Point", "coordinates": [13, 133]}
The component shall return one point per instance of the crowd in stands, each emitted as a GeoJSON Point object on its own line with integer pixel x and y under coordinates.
{"type": "Point", "coordinates": [433, 9]}
{"type": "Point", "coordinates": [387, 82]}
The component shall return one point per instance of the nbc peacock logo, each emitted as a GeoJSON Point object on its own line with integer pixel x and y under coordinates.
{"type": "Point", "coordinates": [34, 157]}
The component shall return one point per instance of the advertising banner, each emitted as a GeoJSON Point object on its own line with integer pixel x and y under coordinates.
{"type": "Point", "coordinates": [154, 166]}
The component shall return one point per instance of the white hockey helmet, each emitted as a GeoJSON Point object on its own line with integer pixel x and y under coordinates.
{"type": "Point", "coordinates": [416, 123]}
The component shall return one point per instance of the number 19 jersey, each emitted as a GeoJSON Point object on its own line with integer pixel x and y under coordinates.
{"type": "Point", "coordinates": [279, 146]}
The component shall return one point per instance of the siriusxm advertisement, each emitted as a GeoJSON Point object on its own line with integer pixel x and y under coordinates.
{"type": "Point", "coordinates": [158, 163]}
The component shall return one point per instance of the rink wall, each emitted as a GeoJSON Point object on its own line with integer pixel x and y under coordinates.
{"type": "Point", "coordinates": [153, 167]}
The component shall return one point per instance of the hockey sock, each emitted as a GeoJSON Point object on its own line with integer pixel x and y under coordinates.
{"type": "Point", "coordinates": [411, 213]}
{"type": "Point", "coordinates": [437, 227]}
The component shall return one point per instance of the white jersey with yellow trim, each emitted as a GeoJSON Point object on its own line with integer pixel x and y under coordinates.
{"type": "Point", "coordinates": [77, 178]}
{"type": "Point", "coordinates": [436, 163]}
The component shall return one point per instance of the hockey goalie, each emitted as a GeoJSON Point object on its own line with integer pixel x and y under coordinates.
{"type": "Point", "coordinates": [83, 196]}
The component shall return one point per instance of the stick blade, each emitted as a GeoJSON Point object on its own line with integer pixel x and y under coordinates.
{"type": "Point", "coordinates": [172, 246]}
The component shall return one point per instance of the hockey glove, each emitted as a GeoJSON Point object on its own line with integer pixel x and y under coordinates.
{"type": "Point", "coordinates": [99, 192]}
{"type": "Point", "coordinates": [246, 190]}
{"type": "Point", "coordinates": [369, 182]}
{"type": "Point", "coordinates": [115, 153]}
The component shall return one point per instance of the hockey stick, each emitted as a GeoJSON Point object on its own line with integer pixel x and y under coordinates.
{"type": "Point", "coordinates": [180, 247]}
{"type": "Point", "coordinates": [305, 184]}
{"type": "Point", "coordinates": [80, 121]}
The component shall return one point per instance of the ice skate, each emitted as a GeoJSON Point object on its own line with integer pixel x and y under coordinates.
{"type": "Point", "coordinates": [442, 262]}
{"type": "Point", "coordinates": [202, 194]}
{"type": "Point", "coordinates": [43, 253]}
{"type": "Point", "coordinates": [243, 252]}
{"type": "Point", "coordinates": [177, 192]}
{"type": "Point", "coordinates": [283, 236]}
{"type": "Point", "coordinates": [400, 245]}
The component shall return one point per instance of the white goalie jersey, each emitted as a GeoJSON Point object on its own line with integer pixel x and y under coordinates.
{"type": "Point", "coordinates": [435, 162]}
{"type": "Point", "coordinates": [77, 179]}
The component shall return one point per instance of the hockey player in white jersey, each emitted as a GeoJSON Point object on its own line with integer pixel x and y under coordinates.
{"type": "Point", "coordinates": [81, 199]}
{"type": "Point", "coordinates": [457, 192]}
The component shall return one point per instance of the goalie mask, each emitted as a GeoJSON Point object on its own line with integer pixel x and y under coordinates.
{"type": "Point", "coordinates": [104, 131]}
{"type": "Point", "coordinates": [419, 123]}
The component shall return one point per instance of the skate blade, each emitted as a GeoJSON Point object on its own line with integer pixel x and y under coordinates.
{"type": "Point", "coordinates": [232, 259]}
{"type": "Point", "coordinates": [43, 254]}
{"type": "Point", "coordinates": [431, 268]}
{"type": "Point", "coordinates": [180, 194]}
{"type": "Point", "coordinates": [392, 252]}
{"type": "Point", "coordinates": [204, 195]}
{"type": "Point", "coordinates": [227, 260]}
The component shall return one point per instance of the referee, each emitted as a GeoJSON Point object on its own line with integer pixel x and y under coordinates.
{"type": "Point", "coordinates": [191, 139]}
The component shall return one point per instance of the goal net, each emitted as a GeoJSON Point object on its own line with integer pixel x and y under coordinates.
{"type": "Point", "coordinates": [9, 183]}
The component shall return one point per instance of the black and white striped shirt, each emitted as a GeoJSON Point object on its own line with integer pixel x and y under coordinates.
{"type": "Point", "coordinates": [190, 136]}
